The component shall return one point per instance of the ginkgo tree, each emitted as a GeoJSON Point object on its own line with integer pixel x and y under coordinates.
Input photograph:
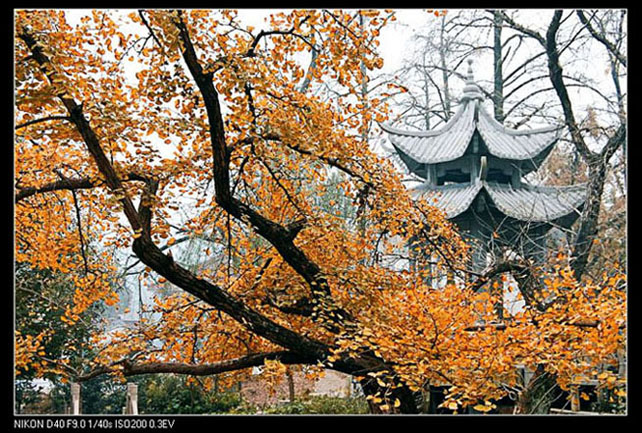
{"type": "Point", "coordinates": [135, 128]}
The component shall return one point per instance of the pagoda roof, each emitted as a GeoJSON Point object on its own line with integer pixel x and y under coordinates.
{"type": "Point", "coordinates": [451, 140]}
{"type": "Point", "coordinates": [527, 203]}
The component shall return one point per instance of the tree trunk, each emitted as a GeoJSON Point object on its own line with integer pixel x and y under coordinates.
{"type": "Point", "coordinates": [589, 219]}
{"type": "Point", "coordinates": [407, 399]}
{"type": "Point", "coordinates": [444, 69]}
{"type": "Point", "coordinates": [498, 93]}
{"type": "Point", "coordinates": [539, 394]}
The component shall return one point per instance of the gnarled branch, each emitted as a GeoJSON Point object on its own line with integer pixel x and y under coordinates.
{"type": "Point", "coordinates": [70, 184]}
{"type": "Point", "coordinates": [130, 368]}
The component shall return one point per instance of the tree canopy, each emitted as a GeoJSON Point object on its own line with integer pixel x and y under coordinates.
{"type": "Point", "coordinates": [138, 131]}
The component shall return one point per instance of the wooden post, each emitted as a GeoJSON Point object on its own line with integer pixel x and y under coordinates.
{"type": "Point", "coordinates": [621, 358]}
{"type": "Point", "coordinates": [75, 398]}
{"type": "Point", "coordinates": [575, 399]}
{"type": "Point", "coordinates": [131, 402]}
{"type": "Point", "coordinates": [291, 393]}
{"type": "Point", "coordinates": [528, 375]}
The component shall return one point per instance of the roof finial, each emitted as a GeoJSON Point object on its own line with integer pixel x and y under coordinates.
{"type": "Point", "coordinates": [471, 90]}
{"type": "Point", "coordinates": [470, 78]}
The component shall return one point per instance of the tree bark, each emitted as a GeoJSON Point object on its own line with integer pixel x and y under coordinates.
{"type": "Point", "coordinates": [597, 162]}
{"type": "Point", "coordinates": [291, 389]}
{"type": "Point", "coordinates": [130, 368]}
{"type": "Point", "coordinates": [539, 394]}
{"type": "Point", "coordinates": [498, 93]}
{"type": "Point", "coordinates": [406, 398]}
{"type": "Point", "coordinates": [444, 69]}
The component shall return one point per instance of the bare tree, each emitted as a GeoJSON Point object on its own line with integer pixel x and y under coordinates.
{"type": "Point", "coordinates": [610, 138]}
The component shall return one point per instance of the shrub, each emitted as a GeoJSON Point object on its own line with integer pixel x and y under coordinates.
{"type": "Point", "coordinates": [321, 405]}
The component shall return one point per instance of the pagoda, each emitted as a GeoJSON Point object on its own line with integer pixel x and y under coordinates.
{"type": "Point", "coordinates": [473, 167]}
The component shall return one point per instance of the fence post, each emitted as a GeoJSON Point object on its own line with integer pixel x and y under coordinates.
{"type": "Point", "coordinates": [575, 398]}
{"type": "Point", "coordinates": [131, 404]}
{"type": "Point", "coordinates": [75, 398]}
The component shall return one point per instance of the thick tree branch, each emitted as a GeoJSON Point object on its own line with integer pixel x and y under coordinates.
{"type": "Point", "coordinates": [588, 229]}
{"type": "Point", "coordinates": [527, 281]}
{"type": "Point", "coordinates": [529, 286]}
{"type": "Point", "coordinates": [213, 295]}
{"type": "Point", "coordinates": [556, 75]}
{"type": "Point", "coordinates": [597, 162]}
{"type": "Point", "coordinates": [279, 236]}
{"type": "Point", "coordinates": [63, 184]}
{"type": "Point", "coordinates": [613, 144]}
{"type": "Point", "coordinates": [69, 184]}
{"type": "Point", "coordinates": [84, 128]}
{"type": "Point", "coordinates": [130, 368]}
{"type": "Point", "coordinates": [164, 265]}
{"type": "Point", "coordinates": [146, 202]}
{"type": "Point", "coordinates": [44, 119]}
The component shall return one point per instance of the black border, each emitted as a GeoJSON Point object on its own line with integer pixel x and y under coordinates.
{"type": "Point", "coordinates": [213, 422]}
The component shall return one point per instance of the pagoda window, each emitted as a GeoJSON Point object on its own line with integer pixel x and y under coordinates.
{"type": "Point", "coordinates": [498, 175]}
{"type": "Point", "coordinates": [454, 171]}
{"type": "Point", "coordinates": [454, 176]}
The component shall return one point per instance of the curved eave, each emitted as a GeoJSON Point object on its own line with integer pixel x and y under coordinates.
{"type": "Point", "coordinates": [559, 205]}
{"type": "Point", "coordinates": [533, 164]}
{"type": "Point", "coordinates": [539, 204]}
{"type": "Point", "coordinates": [453, 200]}
{"type": "Point", "coordinates": [444, 144]}
{"type": "Point", "coordinates": [410, 163]}
{"type": "Point", "coordinates": [513, 144]}
{"type": "Point", "coordinates": [451, 141]}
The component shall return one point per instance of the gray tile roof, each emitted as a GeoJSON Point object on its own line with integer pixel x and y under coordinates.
{"type": "Point", "coordinates": [450, 141]}
{"type": "Point", "coordinates": [452, 199]}
{"type": "Point", "coordinates": [444, 144]}
{"type": "Point", "coordinates": [527, 203]}
{"type": "Point", "coordinates": [514, 144]}
{"type": "Point", "coordinates": [537, 204]}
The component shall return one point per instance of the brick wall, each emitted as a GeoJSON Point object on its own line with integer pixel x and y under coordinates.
{"type": "Point", "coordinates": [257, 392]}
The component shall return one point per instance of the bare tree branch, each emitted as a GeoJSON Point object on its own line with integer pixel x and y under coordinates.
{"type": "Point", "coordinates": [600, 37]}
{"type": "Point", "coordinates": [44, 119]}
